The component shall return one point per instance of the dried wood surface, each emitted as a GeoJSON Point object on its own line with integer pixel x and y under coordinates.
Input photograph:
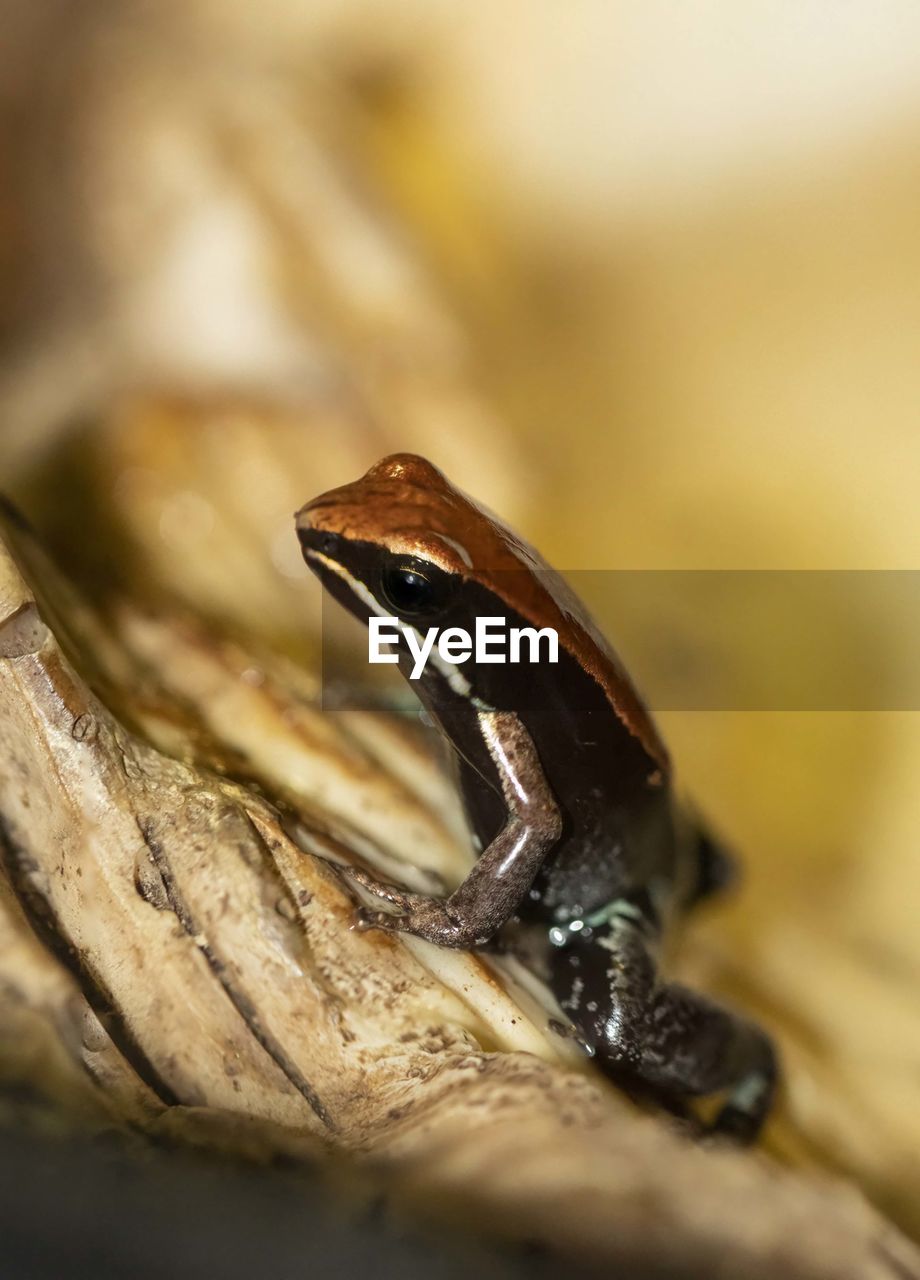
{"type": "Point", "coordinates": [176, 956]}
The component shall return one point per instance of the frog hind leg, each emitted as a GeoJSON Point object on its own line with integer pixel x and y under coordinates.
{"type": "Point", "coordinates": [663, 1040]}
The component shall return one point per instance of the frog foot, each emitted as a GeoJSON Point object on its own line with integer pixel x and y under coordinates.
{"type": "Point", "coordinates": [439, 920]}
{"type": "Point", "coordinates": [424, 917]}
{"type": "Point", "coordinates": [419, 914]}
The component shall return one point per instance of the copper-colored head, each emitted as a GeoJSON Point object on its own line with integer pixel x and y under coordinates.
{"type": "Point", "coordinates": [407, 506]}
{"type": "Point", "coordinates": [404, 507]}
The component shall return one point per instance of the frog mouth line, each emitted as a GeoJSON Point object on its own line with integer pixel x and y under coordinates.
{"type": "Point", "coordinates": [354, 584]}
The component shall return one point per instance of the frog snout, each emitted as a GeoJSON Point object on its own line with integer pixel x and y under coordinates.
{"type": "Point", "coordinates": [317, 541]}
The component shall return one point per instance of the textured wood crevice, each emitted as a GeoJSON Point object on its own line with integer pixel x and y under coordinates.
{"type": "Point", "coordinates": [242, 1003]}
{"type": "Point", "coordinates": [21, 873]}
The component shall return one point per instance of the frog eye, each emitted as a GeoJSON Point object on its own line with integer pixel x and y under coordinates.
{"type": "Point", "coordinates": [413, 589]}
{"type": "Point", "coordinates": [329, 544]}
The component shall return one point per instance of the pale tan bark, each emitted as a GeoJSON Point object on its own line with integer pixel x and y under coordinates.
{"type": "Point", "coordinates": [177, 955]}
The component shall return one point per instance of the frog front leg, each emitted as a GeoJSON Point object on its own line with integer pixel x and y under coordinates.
{"type": "Point", "coordinates": [497, 884]}
{"type": "Point", "coordinates": [661, 1039]}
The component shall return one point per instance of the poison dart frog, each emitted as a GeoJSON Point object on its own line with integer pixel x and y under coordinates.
{"type": "Point", "coordinates": [567, 786]}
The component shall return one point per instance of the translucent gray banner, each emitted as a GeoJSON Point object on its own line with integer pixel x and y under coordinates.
{"type": "Point", "coordinates": [718, 640]}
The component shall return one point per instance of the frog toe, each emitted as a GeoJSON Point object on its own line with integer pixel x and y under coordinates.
{"type": "Point", "coordinates": [364, 920]}
{"type": "Point", "coordinates": [388, 892]}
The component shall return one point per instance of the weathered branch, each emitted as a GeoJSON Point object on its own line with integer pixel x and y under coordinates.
{"type": "Point", "coordinates": [176, 954]}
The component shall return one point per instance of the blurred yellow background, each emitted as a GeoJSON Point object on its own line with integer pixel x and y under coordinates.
{"type": "Point", "coordinates": [643, 277]}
